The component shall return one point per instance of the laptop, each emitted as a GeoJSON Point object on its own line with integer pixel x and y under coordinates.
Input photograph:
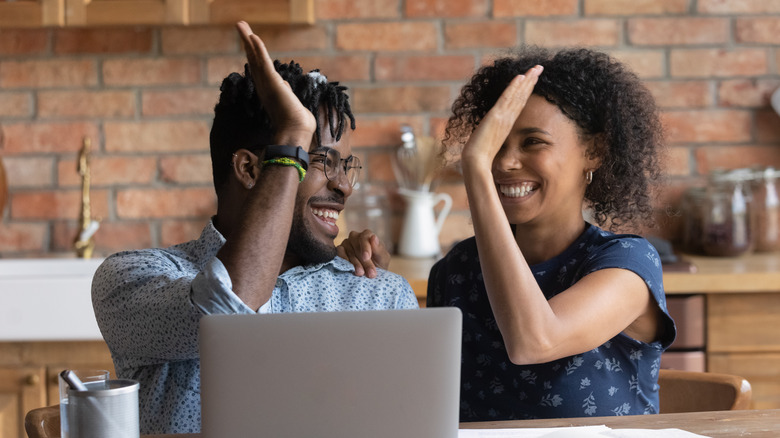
{"type": "Point", "coordinates": [379, 373]}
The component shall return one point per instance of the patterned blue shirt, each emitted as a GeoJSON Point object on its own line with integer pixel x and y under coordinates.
{"type": "Point", "coordinates": [619, 377]}
{"type": "Point", "coordinates": [148, 304]}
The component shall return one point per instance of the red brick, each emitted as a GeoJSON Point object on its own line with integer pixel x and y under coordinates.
{"type": "Point", "coordinates": [37, 172]}
{"type": "Point", "coordinates": [48, 73]}
{"type": "Point", "coordinates": [15, 104]}
{"type": "Point", "coordinates": [341, 68]}
{"type": "Point", "coordinates": [681, 94]}
{"type": "Point", "coordinates": [758, 30]}
{"type": "Point", "coordinates": [424, 68]}
{"type": "Point", "coordinates": [677, 162]}
{"type": "Point", "coordinates": [23, 41]}
{"type": "Point", "coordinates": [199, 40]}
{"type": "Point", "coordinates": [173, 232]}
{"type": "Point", "coordinates": [645, 63]}
{"type": "Point", "coordinates": [109, 40]}
{"type": "Point", "coordinates": [162, 71]}
{"type": "Point", "coordinates": [634, 7]}
{"type": "Point", "coordinates": [734, 7]}
{"type": "Point", "coordinates": [33, 138]}
{"type": "Point", "coordinates": [81, 103]}
{"type": "Point", "coordinates": [382, 131]}
{"type": "Point", "coordinates": [56, 204]}
{"type": "Point", "coordinates": [707, 126]}
{"type": "Point", "coordinates": [446, 8]}
{"type": "Point", "coordinates": [165, 203]}
{"type": "Point", "coordinates": [162, 136]}
{"type": "Point", "coordinates": [111, 237]}
{"type": "Point", "coordinates": [387, 36]}
{"type": "Point", "coordinates": [719, 63]}
{"type": "Point", "coordinates": [514, 8]}
{"type": "Point", "coordinates": [217, 68]}
{"type": "Point", "coordinates": [186, 169]}
{"type": "Point", "coordinates": [709, 158]}
{"type": "Point", "coordinates": [591, 32]}
{"type": "Point", "coordinates": [294, 38]}
{"type": "Point", "coordinates": [109, 170]}
{"type": "Point", "coordinates": [346, 9]}
{"type": "Point", "coordinates": [16, 237]}
{"type": "Point", "coordinates": [460, 201]}
{"type": "Point", "coordinates": [179, 102]}
{"type": "Point", "coordinates": [767, 126]}
{"type": "Point", "coordinates": [402, 99]}
{"type": "Point", "coordinates": [480, 34]}
{"type": "Point", "coordinates": [458, 226]}
{"type": "Point", "coordinates": [746, 92]}
{"type": "Point", "coordinates": [678, 31]}
{"type": "Point", "coordinates": [378, 168]}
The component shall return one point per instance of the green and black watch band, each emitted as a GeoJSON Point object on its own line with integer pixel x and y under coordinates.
{"type": "Point", "coordinates": [296, 153]}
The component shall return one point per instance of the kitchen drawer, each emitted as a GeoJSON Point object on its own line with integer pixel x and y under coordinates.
{"type": "Point", "coordinates": [760, 369]}
{"type": "Point", "coordinates": [688, 314]}
{"type": "Point", "coordinates": [744, 322]}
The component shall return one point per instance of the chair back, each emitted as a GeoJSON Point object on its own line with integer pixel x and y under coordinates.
{"type": "Point", "coordinates": [693, 391]}
{"type": "Point", "coordinates": [43, 422]}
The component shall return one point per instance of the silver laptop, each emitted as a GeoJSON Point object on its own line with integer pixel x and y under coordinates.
{"type": "Point", "coordinates": [388, 373]}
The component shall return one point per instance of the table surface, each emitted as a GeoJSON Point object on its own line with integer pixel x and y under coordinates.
{"type": "Point", "coordinates": [720, 424]}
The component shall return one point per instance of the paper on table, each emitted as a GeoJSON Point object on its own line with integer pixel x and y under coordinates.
{"type": "Point", "coordinates": [576, 431]}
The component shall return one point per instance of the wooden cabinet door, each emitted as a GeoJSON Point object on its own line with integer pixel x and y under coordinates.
{"type": "Point", "coordinates": [251, 11]}
{"type": "Point", "coordinates": [32, 13]}
{"type": "Point", "coordinates": [125, 12]}
{"type": "Point", "coordinates": [21, 390]}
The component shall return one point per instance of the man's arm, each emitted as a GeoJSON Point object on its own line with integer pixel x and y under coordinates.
{"type": "Point", "coordinates": [254, 251]}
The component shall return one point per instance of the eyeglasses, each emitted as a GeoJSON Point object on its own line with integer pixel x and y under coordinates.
{"type": "Point", "coordinates": [330, 159]}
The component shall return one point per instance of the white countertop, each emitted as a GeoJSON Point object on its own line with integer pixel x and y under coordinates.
{"type": "Point", "coordinates": [47, 300]}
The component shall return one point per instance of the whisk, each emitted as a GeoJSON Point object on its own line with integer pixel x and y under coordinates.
{"type": "Point", "coordinates": [416, 161]}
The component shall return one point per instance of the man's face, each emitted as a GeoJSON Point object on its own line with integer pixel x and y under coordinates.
{"type": "Point", "coordinates": [318, 205]}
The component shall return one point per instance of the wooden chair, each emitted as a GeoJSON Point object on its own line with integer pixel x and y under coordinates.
{"type": "Point", "coordinates": [43, 422]}
{"type": "Point", "coordinates": [692, 391]}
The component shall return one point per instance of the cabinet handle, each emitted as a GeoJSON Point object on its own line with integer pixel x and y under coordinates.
{"type": "Point", "coordinates": [32, 380]}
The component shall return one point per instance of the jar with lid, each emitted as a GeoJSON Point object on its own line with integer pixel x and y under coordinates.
{"type": "Point", "coordinates": [368, 208]}
{"type": "Point", "coordinates": [726, 221]}
{"type": "Point", "coordinates": [692, 209]}
{"type": "Point", "coordinates": [766, 210]}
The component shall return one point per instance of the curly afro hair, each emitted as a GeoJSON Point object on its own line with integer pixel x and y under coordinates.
{"type": "Point", "coordinates": [609, 105]}
{"type": "Point", "coordinates": [240, 121]}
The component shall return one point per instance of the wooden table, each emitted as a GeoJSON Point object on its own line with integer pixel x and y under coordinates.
{"type": "Point", "coordinates": [720, 424]}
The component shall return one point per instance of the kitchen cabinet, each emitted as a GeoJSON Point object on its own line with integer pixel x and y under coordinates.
{"type": "Point", "coordinates": [28, 376]}
{"type": "Point", "coordinates": [21, 389]}
{"type": "Point", "coordinates": [730, 308]}
{"type": "Point", "coordinates": [73, 13]}
{"type": "Point", "coordinates": [32, 13]}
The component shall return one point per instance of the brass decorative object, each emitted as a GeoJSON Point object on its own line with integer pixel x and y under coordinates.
{"type": "Point", "coordinates": [84, 243]}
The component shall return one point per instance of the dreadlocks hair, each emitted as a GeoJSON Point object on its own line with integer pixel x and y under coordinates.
{"type": "Point", "coordinates": [240, 121]}
{"type": "Point", "coordinates": [611, 108]}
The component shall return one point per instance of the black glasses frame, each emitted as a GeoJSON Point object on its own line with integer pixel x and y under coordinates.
{"type": "Point", "coordinates": [330, 158]}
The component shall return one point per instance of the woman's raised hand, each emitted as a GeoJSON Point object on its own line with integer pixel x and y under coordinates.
{"type": "Point", "coordinates": [365, 251]}
{"type": "Point", "coordinates": [487, 138]}
{"type": "Point", "coordinates": [290, 118]}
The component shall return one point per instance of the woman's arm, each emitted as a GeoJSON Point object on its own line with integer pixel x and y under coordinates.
{"type": "Point", "coordinates": [535, 330]}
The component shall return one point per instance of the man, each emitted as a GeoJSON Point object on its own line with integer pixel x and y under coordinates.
{"type": "Point", "coordinates": [269, 249]}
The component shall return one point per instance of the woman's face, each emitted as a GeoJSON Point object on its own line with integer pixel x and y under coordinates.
{"type": "Point", "coordinates": [540, 170]}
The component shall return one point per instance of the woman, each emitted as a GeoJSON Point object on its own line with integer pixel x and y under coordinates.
{"type": "Point", "coordinates": [561, 318]}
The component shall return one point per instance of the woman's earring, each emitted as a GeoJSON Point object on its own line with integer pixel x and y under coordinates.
{"type": "Point", "coordinates": [589, 177]}
{"type": "Point", "coordinates": [250, 185]}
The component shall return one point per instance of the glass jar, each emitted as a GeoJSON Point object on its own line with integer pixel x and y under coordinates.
{"type": "Point", "coordinates": [726, 223]}
{"type": "Point", "coordinates": [367, 208]}
{"type": "Point", "coordinates": [766, 210]}
{"type": "Point", "coordinates": [692, 209]}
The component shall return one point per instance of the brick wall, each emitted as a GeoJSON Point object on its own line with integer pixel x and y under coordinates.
{"type": "Point", "coordinates": [145, 95]}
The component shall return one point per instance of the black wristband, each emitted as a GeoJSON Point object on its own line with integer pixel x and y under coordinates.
{"type": "Point", "coordinates": [282, 150]}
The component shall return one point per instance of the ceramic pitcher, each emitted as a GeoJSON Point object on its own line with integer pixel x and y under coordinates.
{"type": "Point", "coordinates": [420, 231]}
